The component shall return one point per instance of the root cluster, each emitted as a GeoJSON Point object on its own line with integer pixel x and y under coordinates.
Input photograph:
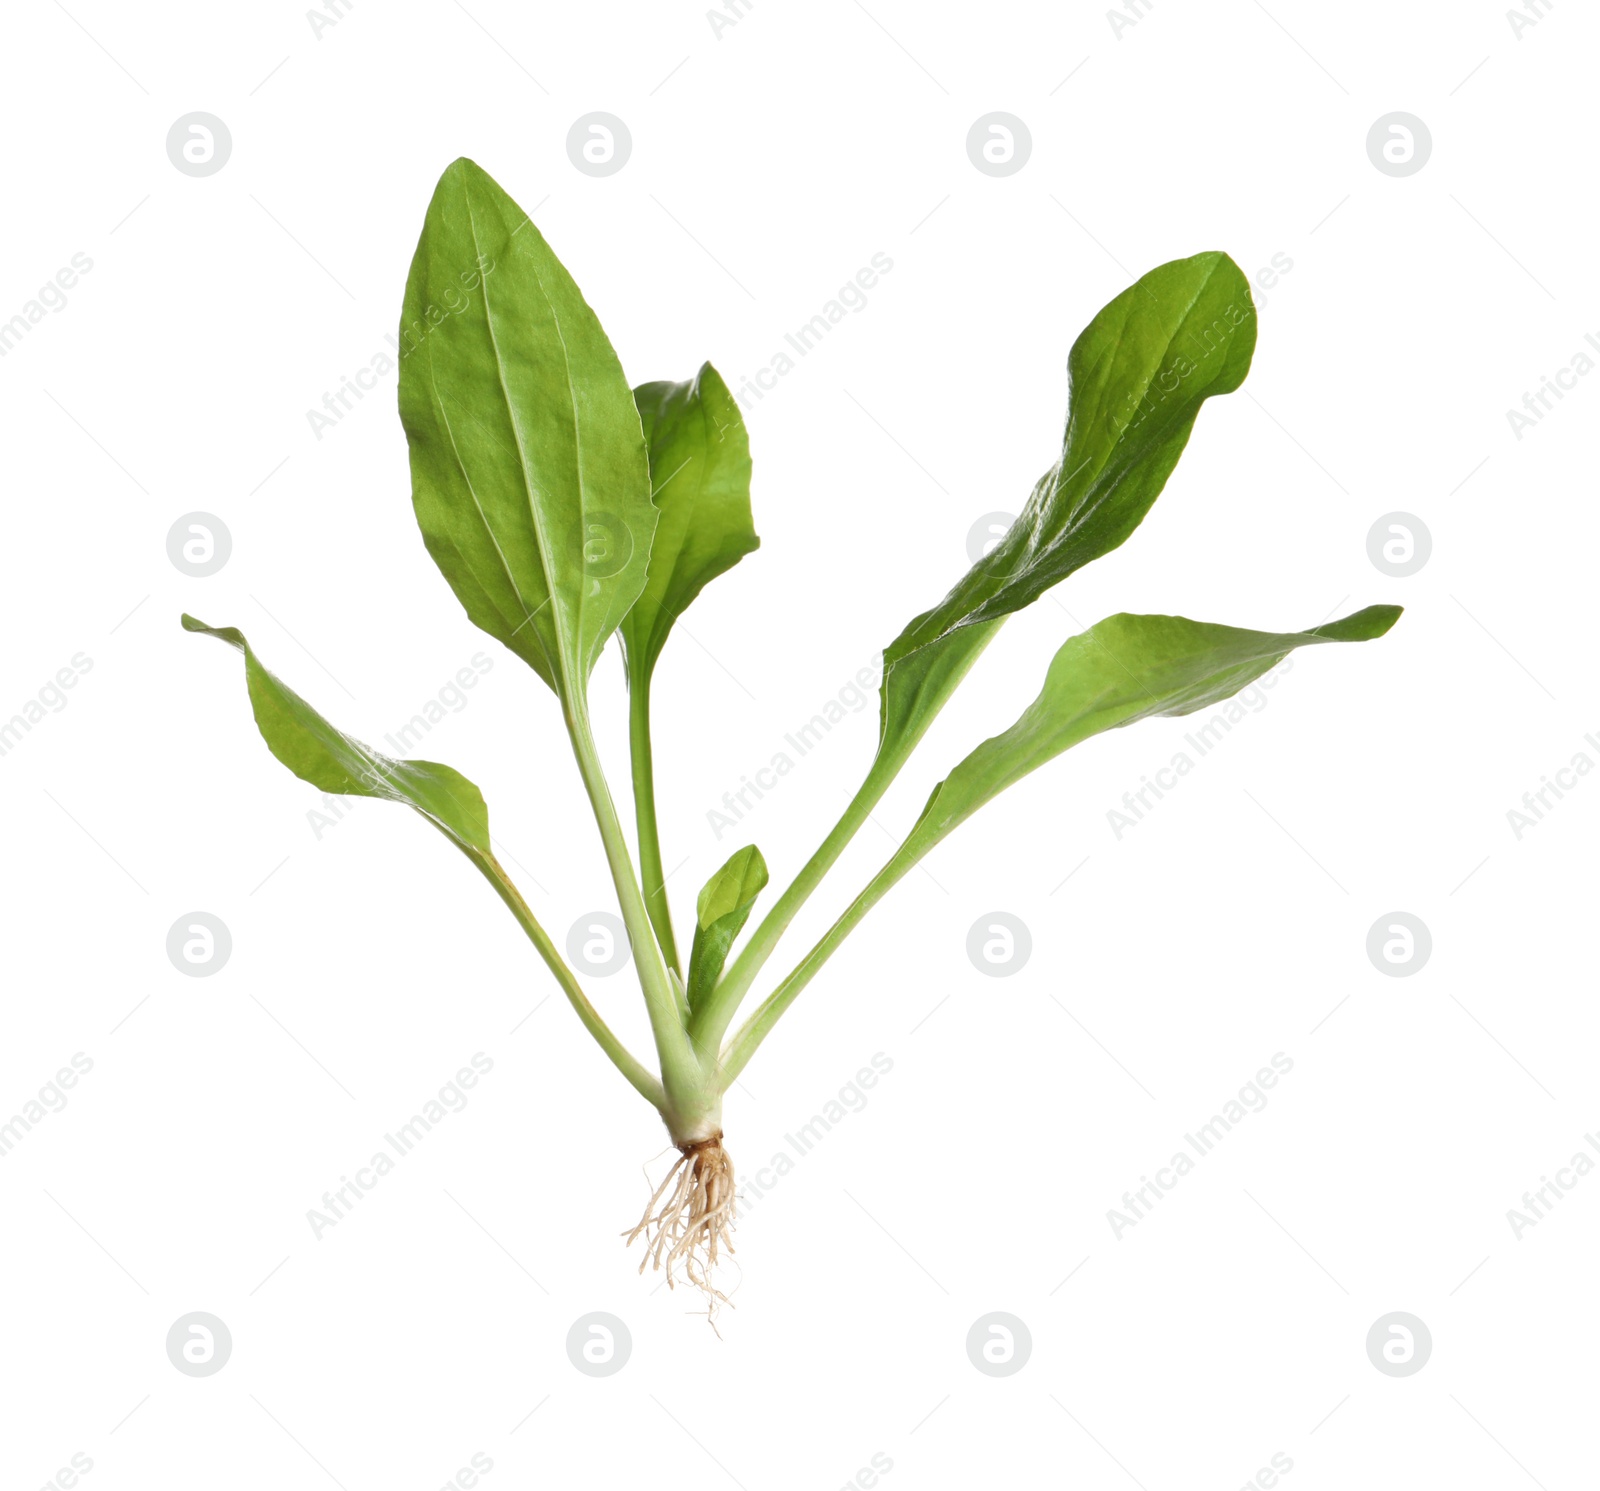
{"type": "Point", "coordinates": [689, 1220]}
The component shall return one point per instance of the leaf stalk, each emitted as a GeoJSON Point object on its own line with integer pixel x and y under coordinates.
{"type": "Point", "coordinates": [642, 761]}
{"type": "Point", "coordinates": [688, 1091]}
{"type": "Point", "coordinates": [643, 1081]}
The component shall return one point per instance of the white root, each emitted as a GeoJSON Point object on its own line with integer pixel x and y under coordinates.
{"type": "Point", "coordinates": [689, 1220]}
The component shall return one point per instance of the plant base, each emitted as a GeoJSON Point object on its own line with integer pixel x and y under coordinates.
{"type": "Point", "coordinates": [689, 1220]}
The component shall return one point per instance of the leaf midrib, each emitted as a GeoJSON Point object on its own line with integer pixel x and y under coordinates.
{"type": "Point", "coordinates": [541, 538]}
{"type": "Point", "coordinates": [488, 528]}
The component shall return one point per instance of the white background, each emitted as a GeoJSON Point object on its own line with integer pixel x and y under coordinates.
{"type": "Point", "coordinates": [769, 164]}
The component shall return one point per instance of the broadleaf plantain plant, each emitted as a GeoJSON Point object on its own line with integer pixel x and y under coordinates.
{"type": "Point", "coordinates": [564, 507]}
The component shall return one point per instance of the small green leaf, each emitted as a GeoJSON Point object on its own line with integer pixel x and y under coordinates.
{"type": "Point", "coordinates": [1122, 669]}
{"type": "Point", "coordinates": [700, 477]}
{"type": "Point", "coordinates": [722, 910]}
{"type": "Point", "coordinates": [528, 468]}
{"type": "Point", "coordinates": [327, 758]}
{"type": "Point", "coordinates": [700, 471]}
{"type": "Point", "coordinates": [1138, 375]}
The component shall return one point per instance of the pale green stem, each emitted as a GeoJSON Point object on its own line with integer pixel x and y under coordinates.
{"type": "Point", "coordinates": [710, 1022]}
{"type": "Point", "coordinates": [755, 1030]}
{"type": "Point", "coordinates": [688, 1091]}
{"type": "Point", "coordinates": [716, 1012]}
{"type": "Point", "coordinates": [644, 811]}
{"type": "Point", "coordinates": [644, 1081]}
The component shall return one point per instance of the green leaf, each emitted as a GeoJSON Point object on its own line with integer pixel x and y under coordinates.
{"type": "Point", "coordinates": [1138, 375]}
{"type": "Point", "coordinates": [700, 471]}
{"type": "Point", "coordinates": [1122, 669]}
{"type": "Point", "coordinates": [528, 468]}
{"type": "Point", "coordinates": [723, 908]}
{"type": "Point", "coordinates": [327, 758]}
{"type": "Point", "coordinates": [700, 476]}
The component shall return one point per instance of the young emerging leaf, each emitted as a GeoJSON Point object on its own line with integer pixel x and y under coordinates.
{"type": "Point", "coordinates": [723, 909]}
{"type": "Point", "coordinates": [1122, 669]}
{"type": "Point", "coordinates": [327, 758]}
{"type": "Point", "coordinates": [528, 467]}
{"type": "Point", "coordinates": [700, 478]}
{"type": "Point", "coordinates": [1138, 374]}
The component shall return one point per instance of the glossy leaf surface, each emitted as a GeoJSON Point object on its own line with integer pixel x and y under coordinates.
{"type": "Point", "coordinates": [1139, 373]}
{"type": "Point", "coordinates": [700, 482]}
{"type": "Point", "coordinates": [528, 468]}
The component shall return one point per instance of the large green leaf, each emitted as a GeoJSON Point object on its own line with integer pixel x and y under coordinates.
{"type": "Point", "coordinates": [700, 476]}
{"type": "Point", "coordinates": [528, 467]}
{"type": "Point", "coordinates": [1122, 669]}
{"type": "Point", "coordinates": [1138, 374]}
{"type": "Point", "coordinates": [722, 910]}
{"type": "Point", "coordinates": [327, 758]}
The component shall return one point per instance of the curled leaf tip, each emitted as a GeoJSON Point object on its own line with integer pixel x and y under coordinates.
{"type": "Point", "coordinates": [229, 634]}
